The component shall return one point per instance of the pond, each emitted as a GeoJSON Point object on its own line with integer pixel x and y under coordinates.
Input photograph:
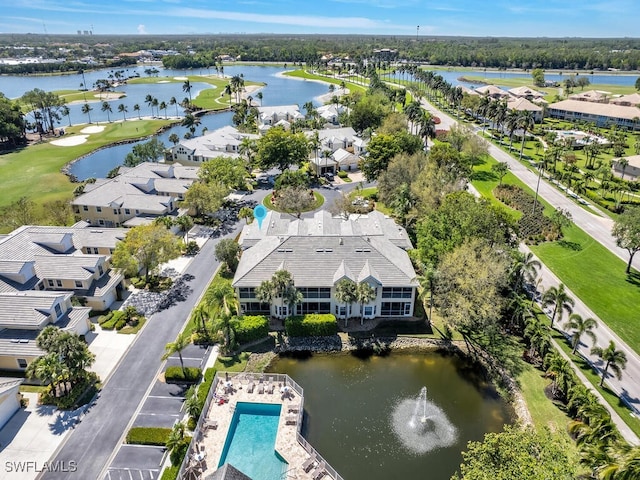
{"type": "Point", "coordinates": [360, 414]}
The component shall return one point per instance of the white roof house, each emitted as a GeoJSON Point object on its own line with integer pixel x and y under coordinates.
{"type": "Point", "coordinates": [492, 91]}
{"type": "Point", "coordinates": [223, 142]}
{"type": "Point", "coordinates": [270, 116]}
{"type": "Point", "coordinates": [322, 250]}
{"type": "Point", "coordinates": [526, 92]}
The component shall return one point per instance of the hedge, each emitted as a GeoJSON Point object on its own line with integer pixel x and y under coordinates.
{"type": "Point", "coordinates": [170, 473]}
{"type": "Point", "coordinates": [311, 325]}
{"type": "Point", "coordinates": [205, 386]}
{"type": "Point", "coordinates": [113, 320]}
{"type": "Point", "coordinates": [250, 328]}
{"type": "Point", "coordinates": [176, 375]}
{"type": "Point", "coordinates": [148, 436]}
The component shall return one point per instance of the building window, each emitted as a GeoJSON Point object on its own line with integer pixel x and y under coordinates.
{"type": "Point", "coordinates": [78, 284]}
{"type": "Point", "coordinates": [395, 309]}
{"type": "Point", "coordinates": [115, 211]}
{"type": "Point", "coordinates": [313, 307]}
{"type": "Point", "coordinates": [397, 292]}
{"type": "Point", "coordinates": [58, 309]}
{"type": "Point", "coordinates": [22, 363]}
{"type": "Point", "coordinates": [101, 222]}
{"type": "Point", "coordinates": [100, 270]}
{"type": "Point", "coordinates": [59, 283]}
{"type": "Point", "coordinates": [85, 208]}
{"type": "Point", "coordinates": [369, 311]}
{"type": "Point", "coordinates": [50, 282]}
{"type": "Point", "coordinates": [95, 250]}
{"type": "Point", "coordinates": [98, 209]}
{"type": "Point", "coordinates": [127, 211]}
{"type": "Point", "coordinates": [315, 292]}
{"type": "Point", "coordinates": [254, 307]}
{"type": "Point", "coordinates": [247, 292]}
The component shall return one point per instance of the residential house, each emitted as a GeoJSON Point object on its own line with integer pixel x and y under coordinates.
{"type": "Point", "coordinates": [596, 96]}
{"type": "Point", "coordinates": [526, 92]}
{"type": "Point", "coordinates": [631, 169]}
{"type": "Point", "coordinates": [493, 92]}
{"type": "Point", "coordinates": [602, 114]}
{"type": "Point", "coordinates": [223, 142]}
{"type": "Point", "coordinates": [339, 149]}
{"type": "Point", "coordinates": [280, 115]}
{"type": "Point", "coordinates": [632, 100]}
{"type": "Point", "coordinates": [24, 314]}
{"type": "Point", "coordinates": [9, 398]}
{"type": "Point", "coordinates": [522, 104]}
{"type": "Point", "coordinates": [61, 260]}
{"type": "Point", "coordinates": [330, 113]}
{"type": "Point", "coordinates": [319, 252]}
{"type": "Point", "coordinates": [136, 196]}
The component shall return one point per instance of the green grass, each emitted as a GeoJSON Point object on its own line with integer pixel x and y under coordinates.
{"type": "Point", "coordinates": [336, 81]}
{"type": "Point", "coordinates": [69, 96]}
{"type": "Point", "coordinates": [594, 378]}
{"type": "Point", "coordinates": [128, 330]}
{"type": "Point", "coordinates": [368, 193]}
{"type": "Point", "coordinates": [32, 388]}
{"type": "Point", "coordinates": [40, 164]}
{"type": "Point", "coordinates": [236, 363]}
{"type": "Point", "coordinates": [319, 200]}
{"type": "Point", "coordinates": [585, 266]}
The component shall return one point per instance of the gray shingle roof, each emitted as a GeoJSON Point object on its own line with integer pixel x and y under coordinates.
{"type": "Point", "coordinates": [228, 472]}
{"type": "Point", "coordinates": [71, 267]}
{"type": "Point", "coordinates": [19, 343]}
{"type": "Point", "coordinates": [31, 309]}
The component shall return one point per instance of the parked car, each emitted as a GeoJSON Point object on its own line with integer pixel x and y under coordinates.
{"type": "Point", "coordinates": [329, 176]}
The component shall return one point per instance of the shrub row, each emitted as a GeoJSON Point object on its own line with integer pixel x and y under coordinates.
{"type": "Point", "coordinates": [251, 328]}
{"type": "Point", "coordinates": [205, 386]}
{"type": "Point", "coordinates": [532, 227]}
{"type": "Point", "coordinates": [311, 325]}
{"type": "Point", "coordinates": [148, 436]}
{"type": "Point", "coordinates": [175, 374]}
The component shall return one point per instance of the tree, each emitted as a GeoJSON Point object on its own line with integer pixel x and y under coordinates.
{"type": "Point", "coordinates": [295, 200]}
{"type": "Point", "coordinates": [106, 107]}
{"type": "Point", "coordinates": [246, 213]}
{"type": "Point", "coordinates": [192, 404]}
{"type": "Point", "coordinates": [205, 198]}
{"type": "Point", "coordinates": [580, 326]}
{"type": "Point", "coordinates": [623, 464]}
{"type": "Point", "coordinates": [174, 138]}
{"type": "Point", "coordinates": [538, 77]}
{"type": "Point", "coordinates": [144, 248]}
{"type": "Point", "coordinates": [526, 122]}
{"type": "Point", "coordinates": [181, 342]}
{"type": "Point", "coordinates": [19, 213]}
{"type": "Point", "coordinates": [149, 151]}
{"type": "Point", "coordinates": [12, 122]}
{"type": "Point", "coordinates": [227, 251]}
{"type": "Point", "coordinates": [560, 218]}
{"type": "Point", "coordinates": [518, 452]}
{"type": "Point", "coordinates": [231, 172]}
{"type": "Point", "coordinates": [45, 107]}
{"type": "Point", "coordinates": [365, 293]}
{"type": "Point", "coordinates": [176, 436]}
{"type": "Point", "coordinates": [279, 148]}
{"type": "Point", "coordinates": [86, 109]}
{"type": "Point", "coordinates": [122, 108]}
{"type": "Point", "coordinates": [259, 96]}
{"type": "Point", "coordinates": [615, 360]}
{"type": "Point", "coordinates": [582, 82]}
{"type": "Point", "coordinates": [345, 292]}
{"type": "Point", "coordinates": [524, 269]}
{"type": "Point", "coordinates": [186, 87]}
{"type": "Point", "coordinates": [191, 122]}
{"type": "Point", "coordinates": [65, 111]}
{"type": "Point", "coordinates": [626, 231]}
{"type": "Point", "coordinates": [500, 169]}
{"type": "Point", "coordinates": [381, 149]}
{"type": "Point", "coordinates": [560, 299]}
{"type": "Point", "coordinates": [637, 84]}
{"type": "Point", "coordinates": [136, 108]}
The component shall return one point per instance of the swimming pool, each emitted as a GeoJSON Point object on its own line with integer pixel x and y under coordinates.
{"type": "Point", "coordinates": [251, 440]}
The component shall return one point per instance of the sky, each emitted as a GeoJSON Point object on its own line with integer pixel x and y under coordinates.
{"type": "Point", "coordinates": [497, 18]}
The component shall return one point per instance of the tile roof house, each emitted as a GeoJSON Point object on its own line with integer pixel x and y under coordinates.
{"type": "Point", "coordinates": [601, 114]}
{"type": "Point", "coordinates": [526, 92]}
{"type": "Point", "coordinates": [522, 104]}
{"type": "Point", "coordinates": [597, 96]}
{"type": "Point", "coordinates": [319, 252]}
{"type": "Point", "coordinates": [223, 142]}
{"type": "Point", "coordinates": [282, 115]}
{"type": "Point", "coordinates": [632, 100]}
{"type": "Point", "coordinates": [145, 192]}
{"type": "Point", "coordinates": [492, 91]}
{"type": "Point", "coordinates": [631, 170]}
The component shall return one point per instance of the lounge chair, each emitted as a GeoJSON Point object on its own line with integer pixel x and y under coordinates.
{"type": "Point", "coordinates": [261, 388]}
{"type": "Point", "coordinates": [319, 472]}
{"type": "Point", "coordinates": [293, 408]}
{"type": "Point", "coordinates": [270, 388]}
{"type": "Point", "coordinates": [250, 387]}
{"type": "Point", "coordinates": [309, 463]}
{"type": "Point", "coordinates": [210, 425]}
{"type": "Point", "coordinates": [291, 420]}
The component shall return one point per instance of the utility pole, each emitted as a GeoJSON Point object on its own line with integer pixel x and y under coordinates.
{"type": "Point", "coordinates": [417, 31]}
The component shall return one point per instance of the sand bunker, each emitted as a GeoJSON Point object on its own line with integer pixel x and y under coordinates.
{"type": "Point", "coordinates": [92, 129]}
{"type": "Point", "coordinates": [180, 78]}
{"type": "Point", "coordinates": [164, 81]}
{"type": "Point", "coordinates": [70, 141]}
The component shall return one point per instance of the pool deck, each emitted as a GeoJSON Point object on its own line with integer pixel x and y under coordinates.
{"type": "Point", "coordinates": [206, 450]}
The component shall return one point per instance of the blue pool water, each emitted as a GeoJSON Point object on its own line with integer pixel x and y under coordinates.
{"type": "Point", "coordinates": [251, 440]}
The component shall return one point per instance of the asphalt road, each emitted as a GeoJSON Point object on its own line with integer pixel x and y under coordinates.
{"type": "Point", "coordinates": [101, 431]}
{"type": "Point", "coordinates": [599, 227]}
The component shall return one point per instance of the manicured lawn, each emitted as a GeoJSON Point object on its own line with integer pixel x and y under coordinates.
{"type": "Point", "coordinates": [90, 96]}
{"type": "Point", "coordinates": [39, 165]}
{"type": "Point", "coordinates": [236, 363]}
{"type": "Point", "coordinates": [318, 203]}
{"type": "Point", "coordinates": [368, 193]}
{"type": "Point", "coordinates": [131, 330]}
{"type": "Point", "coordinates": [336, 81]}
{"type": "Point", "coordinates": [591, 271]}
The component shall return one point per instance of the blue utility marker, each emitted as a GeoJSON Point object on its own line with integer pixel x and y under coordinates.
{"type": "Point", "coordinates": [260, 213]}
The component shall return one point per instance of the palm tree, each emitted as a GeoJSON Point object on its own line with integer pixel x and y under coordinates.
{"type": "Point", "coordinates": [154, 103]}
{"type": "Point", "coordinates": [225, 326]}
{"type": "Point", "coordinates": [512, 122]}
{"type": "Point", "coordinates": [345, 292]}
{"type": "Point", "coordinates": [580, 327]}
{"type": "Point", "coordinates": [176, 436]}
{"type": "Point", "coordinates": [624, 463]}
{"type": "Point", "coordinates": [174, 138]}
{"type": "Point", "coordinates": [46, 369]}
{"type": "Point", "coordinates": [560, 299]}
{"type": "Point", "coordinates": [173, 101]}
{"type": "Point", "coordinates": [427, 283]}
{"type": "Point", "coordinates": [237, 85]}
{"type": "Point", "coordinates": [526, 123]}
{"type": "Point", "coordinates": [615, 360]}
{"type": "Point", "coordinates": [181, 342]}
{"type": "Point", "coordinates": [228, 90]}
{"type": "Point", "coordinates": [538, 337]}
{"type": "Point", "coordinates": [365, 293]}
{"type": "Point", "coordinates": [66, 113]}
{"type": "Point", "coordinates": [259, 96]}
{"type": "Point", "coordinates": [86, 109]}
{"type": "Point", "coordinates": [186, 87]}
{"type": "Point", "coordinates": [623, 163]}
{"type": "Point", "coordinates": [292, 297]}
{"type": "Point", "coordinates": [163, 106]}
{"type": "Point", "coordinates": [136, 108]}
{"type": "Point", "coordinates": [524, 269]}
{"type": "Point", "coordinates": [559, 369]}
{"type": "Point", "coordinates": [148, 99]}
{"type": "Point", "coordinates": [200, 317]}
{"type": "Point", "coordinates": [192, 404]}
{"type": "Point", "coordinates": [122, 108]}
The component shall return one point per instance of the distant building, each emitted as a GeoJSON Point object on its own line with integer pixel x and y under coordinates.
{"type": "Point", "coordinates": [223, 142]}
{"type": "Point", "coordinates": [597, 96]}
{"type": "Point", "coordinates": [601, 114]}
{"type": "Point", "coordinates": [631, 169]}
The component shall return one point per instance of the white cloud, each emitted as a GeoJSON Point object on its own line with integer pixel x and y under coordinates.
{"type": "Point", "coordinates": [142, 30]}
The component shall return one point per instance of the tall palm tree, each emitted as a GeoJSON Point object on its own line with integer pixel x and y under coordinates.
{"type": "Point", "coordinates": [292, 297]}
{"type": "Point", "coordinates": [237, 85]}
{"type": "Point", "coordinates": [580, 326]}
{"type": "Point", "coordinates": [224, 325]}
{"type": "Point", "coordinates": [155, 103]}
{"type": "Point", "coordinates": [623, 163]}
{"type": "Point", "coordinates": [200, 317]}
{"type": "Point", "coordinates": [427, 282]}
{"type": "Point", "coordinates": [176, 436]}
{"type": "Point", "coordinates": [86, 109]}
{"type": "Point", "coordinates": [615, 360]}
{"type": "Point", "coordinates": [148, 99]}
{"type": "Point", "coordinates": [66, 113]}
{"type": "Point", "coordinates": [228, 90]}
{"type": "Point", "coordinates": [524, 269]}
{"type": "Point", "coordinates": [122, 108]}
{"type": "Point", "coordinates": [345, 292]}
{"type": "Point", "coordinates": [559, 369]}
{"type": "Point", "coordinates": [512, 122]}
{"type": "Point", "coordinates": [365, 293]}
{"type": "Point", "coordinates": [623, 465]}
{"type": "Point", "coordinates": [186, 87]}
{"type": "Point", "coordinates": [538, 337]}
{"type": "Point", "coordinates": [163, 106]}
{"type": "Point", "coordinates": [181, 342]}
{"type": "Point", "coordinates": [136, 108]}
{"type": "Point", "coordinates": [259, 96]}
{"type": "Point", "coordinates": [526, 123]}
{"type": "Point", "coordinates": [173, 101]}
{"type": "Point", "coordinates": [560, 299]}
